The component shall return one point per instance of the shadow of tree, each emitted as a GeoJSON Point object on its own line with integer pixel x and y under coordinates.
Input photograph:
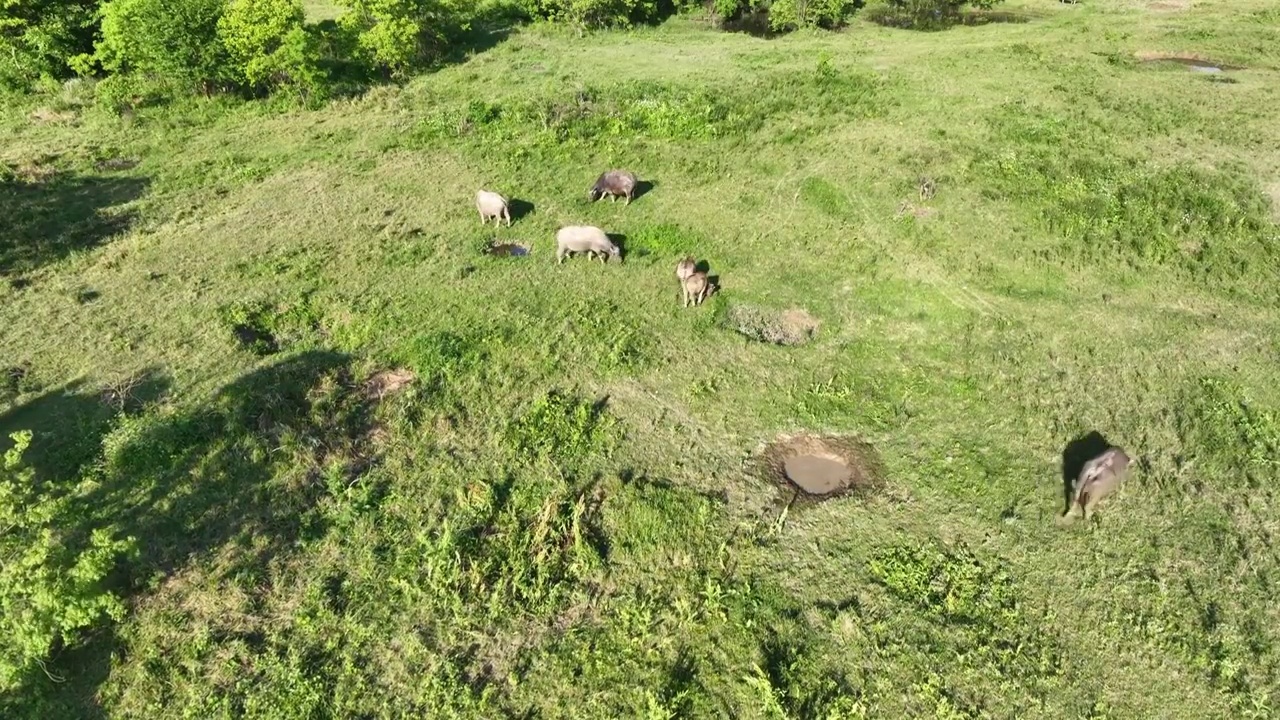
{"type": "Point", "coordinates": [232, 484]}
{"type": "Point", "coordinates": [67, 424]}
{"type": "Point", "coordinates": [47, 220]}
{"type": "Point", "coordinates": [889, 16]}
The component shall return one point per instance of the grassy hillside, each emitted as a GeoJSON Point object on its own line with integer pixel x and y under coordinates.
{"type": "Point", "coordinates": [566, 512]}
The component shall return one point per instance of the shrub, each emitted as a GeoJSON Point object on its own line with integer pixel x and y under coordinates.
{"type": "Point", "coordinates": [604, 13]}
{"type": "Point", "coordinates": [924, 13]}
{"type": "Point", "coordinates": [269, 46]}
{"type": "Point", "coordinates": [796, 14]}
{"type": "Point", "coordinates": [787, 15]}
{"type": "Point", "coordinates": [44, 38]}
{"type": "Point", "coordinates": [175, 41]}
{"type": "Point", "coordinates": [48, 588]}
{"type": "Point", "coordinates": [395, 36]}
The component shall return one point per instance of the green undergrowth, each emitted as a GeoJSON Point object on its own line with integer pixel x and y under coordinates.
{"type": "Point", "coordinates": [1212, 225]}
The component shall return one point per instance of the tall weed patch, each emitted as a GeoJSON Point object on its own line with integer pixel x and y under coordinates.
{"type": "Point", "coordinates": [1104, 208]}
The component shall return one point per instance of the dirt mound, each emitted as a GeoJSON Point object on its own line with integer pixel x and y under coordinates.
{"type": "Point", "coordinates": [821, 467]}
{"type": "Point", "coordinates": [788, 327]}
{"type": "Point", "coordinates": [387, 382]}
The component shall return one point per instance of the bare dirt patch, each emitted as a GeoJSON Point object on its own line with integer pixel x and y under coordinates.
{"type": "Point", "coordinates": [919, 212]}
{"type": "Point", "coordinates": [49, 115]}
{"type": "Point", "coordinates": [1273, 192]}
{"type": "Point", "coordinates": [115, 164]}
{"type": "Point", "coordinates": [821, 467]}
{"type": "Point", "coordinates": [387, 382]}
{"type": "Point", "coordinates": [33, 171]}
{"type": "Point", "coordinates": [794, 326]}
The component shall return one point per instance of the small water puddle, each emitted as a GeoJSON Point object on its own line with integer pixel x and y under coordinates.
{"type": "Point", "coordinates": [1194, 64]}
{"type": "Point", "coordinates": [815, 468]}
{"type": "Point", "coordinates": [817, 475]}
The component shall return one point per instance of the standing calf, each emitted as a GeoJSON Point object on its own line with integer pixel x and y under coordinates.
{"type": "Point", "coordinates": [492, 205]}
{"type": "Point", "coordinates": [585, 238]}
{"type": "Point", "coordinates": [696, 288]}
{"type": "Point", "coordinates": [615, 184]}
{"type": "Point", "coordinates": [1098, 478]}
{"type": "Point", "coordinates": [685, 268]}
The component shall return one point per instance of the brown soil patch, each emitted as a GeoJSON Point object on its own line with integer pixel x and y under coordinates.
{"type": "Point", "coordinates": [49, 115]}
{"type": "Point", "coordinates": [33, 171]}
{"type": "Point", "coordinates": [387, 382]}
{"type": "Point", "coordinates": [788, 327]}
{"type": "Point", "coordinates": [918, 212]}
{"type": "Point", "coordinates": [112, 164]}
{"type": "Point", "coordinates": [821, 467]}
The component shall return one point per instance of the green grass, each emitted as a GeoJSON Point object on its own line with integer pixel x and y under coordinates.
{"type": "Point", "coordinates": [561, 516]}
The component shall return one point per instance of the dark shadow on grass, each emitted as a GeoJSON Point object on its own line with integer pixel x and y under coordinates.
{"type": "Point", "coordinates": [46, 220]}
{"type": "Point", "coordinates": [67, 424]}
{"type": "Point", "coordinates": [236, 479]}
{"type": "Point", "coordinates": [939, 21]}
{"type": "Point", "coordinates": [629, 477]}
{"type": "Point", "coordinates": [519, 208]}
{"type": "Point", "coordinates": [1078, 452]}
{"type": "Point", "coordinates": [753, 23]}
{"type": "Point", "coordinates": [486, 32]}
{"type": "Point", "coordinates": [642, 188]}
{"type": "Point", "coordinates": [620, 240]}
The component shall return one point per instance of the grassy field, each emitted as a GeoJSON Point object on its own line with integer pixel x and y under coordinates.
{"type": "Point", "coordinates": [565, 513]}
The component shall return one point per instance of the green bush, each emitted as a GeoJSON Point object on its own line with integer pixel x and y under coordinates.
{"type": "Point", "coordinates": [396, 36]}
{"type": "Point", "coordinates": [605, 13]}
{"type": "Point", "coordinates": [174, 41]}
{"type": "Point", "coordinates": [49, 589]}
{"type": "Point", "coordinates": [592, 13]}
{"type": "Point", "coordinates": [924, 13]}
{"type": "Point", "coordinates": [788, 15]}
{"type": "Point", "coordinates": [44, 38]}
{"type": "Point", "coordinates": [269, 46]}
{"type": "Point", "coordinates": [796, 14]}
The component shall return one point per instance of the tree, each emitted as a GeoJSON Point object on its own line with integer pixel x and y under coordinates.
{"type": "Point", "coordinates": [174, 41]}
{"type": "Point", "coordinates": [45, 38]}
{"type": "Point", "coordinates": [398, 35]}
{"type": "Point", "coordinates": [269, 45]}
{"type": "Point", "coordinates": [787, 15]}
{"type": "Point", "coordinates": [49, 588]}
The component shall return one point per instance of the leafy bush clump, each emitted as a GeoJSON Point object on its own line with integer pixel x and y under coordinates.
{"type": "Point", "coordinates": [44, 39]}
{"type": "Point", "coordinates": [395, 36]}
{"type": "Point", "coordinates": [924, 14]}
{"type": "Point", "coordinates": [787, 15]}
{"type": "Point", "coordinates": [50, 588]}
{"type": "Point", "coordinates": [268, 44]}
{"type": "Point", "coordinates": [604, 13]}
{"type": "Point", "coordinates": [175, 42]}
{"type": "Point", "coordinates": [560, 427]}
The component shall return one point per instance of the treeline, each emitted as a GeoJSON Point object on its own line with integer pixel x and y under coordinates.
{"type": "Point", "coordinates": [145, 48]}
{"type": "Point", "coordinates": [258, 47]}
